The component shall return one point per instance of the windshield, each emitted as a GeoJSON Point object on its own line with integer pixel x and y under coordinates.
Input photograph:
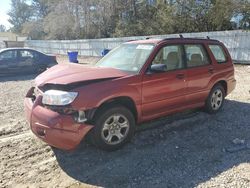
{"type": "Point", "coordinates": [127, 57]}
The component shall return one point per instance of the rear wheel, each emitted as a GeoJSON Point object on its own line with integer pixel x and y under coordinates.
{"type": "Point", "coordinates": [114, 126]}
{"type": "Point", "coordinates": [215, 99]}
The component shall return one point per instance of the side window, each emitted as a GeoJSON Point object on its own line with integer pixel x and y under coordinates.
{"type": "Point", "coordinates": [25, 54]}
{"type": "Point", "coordinates": [196, 55]}
{"type": "Point", "coordinates": [171, 56]}
{"type": "Point", "coordinates": [218, 53]}
{"type": "Point", "coordinates": [8, 55]}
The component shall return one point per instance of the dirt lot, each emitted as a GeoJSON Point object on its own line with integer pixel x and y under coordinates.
{"type": "Point", "coordinates": [191, 149]}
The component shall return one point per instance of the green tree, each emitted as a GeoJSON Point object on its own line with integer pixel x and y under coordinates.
{"type": "Point", "coordinates": [145, 19]}
{"type": "Point", "coordinates": [221, 14]}
{"type": "Point", "coordinates": [74, 19]}
{"type": "Point", "coordinates": [20, 13]}
{"type": "Point", "coordinates": [245, 14]}
{"type": "Point", "coordinates": [41, 8]}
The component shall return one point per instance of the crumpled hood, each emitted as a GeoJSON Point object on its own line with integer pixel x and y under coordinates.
{"type": "Point", "coordinates": [73, 73]}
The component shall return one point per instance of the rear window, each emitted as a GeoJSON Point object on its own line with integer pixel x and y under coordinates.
{"type": "Point", "coordinates": [218, 53]}
{"type": "Point", "coordinates": [196, 55]}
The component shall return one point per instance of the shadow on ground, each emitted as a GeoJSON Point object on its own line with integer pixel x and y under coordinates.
{"type": "Point", "coordinates": [180, 152]}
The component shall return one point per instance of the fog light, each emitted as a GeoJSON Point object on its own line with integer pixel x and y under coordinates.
{"type": "Point", "coordinates": [41, 132]}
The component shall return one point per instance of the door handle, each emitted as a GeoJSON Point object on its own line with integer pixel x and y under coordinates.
{"type": "Point", "coordinates": [180, 76]}
{"type": "Point", "coordinates": [211, 70]}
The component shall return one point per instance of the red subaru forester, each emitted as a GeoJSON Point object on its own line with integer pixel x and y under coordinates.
{"type": "Point", "coordinates": [136, 82]}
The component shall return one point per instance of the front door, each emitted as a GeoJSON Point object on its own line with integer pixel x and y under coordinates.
{"type": "Point", "coordinates": [8, 62]}
{"type": "Point", "coordinates": [165, 91]}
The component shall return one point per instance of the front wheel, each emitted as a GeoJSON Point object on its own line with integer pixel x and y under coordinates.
{"type": "Point", "coordinates": [215, 99]}
{"type": "Point", "coordinates": [114, 126]}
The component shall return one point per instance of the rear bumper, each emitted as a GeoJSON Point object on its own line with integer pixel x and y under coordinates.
{"type": "Point", "coordinates": [58, 130]}
{"type": "Point", "coordinates": [231, 84]}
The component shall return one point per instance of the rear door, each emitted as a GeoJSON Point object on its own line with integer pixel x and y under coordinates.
{"type": "Point", "coordinates": [199, 73]}
{"type": "Point", "coordinates": [165, 91]}
{"type": "Point", "coordinates": [26, 60]}
{"type": "Point", "coordinates": [8, 61]}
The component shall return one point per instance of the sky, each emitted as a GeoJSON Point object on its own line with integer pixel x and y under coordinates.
{"type": "Point", "coordinates": [4, 8]}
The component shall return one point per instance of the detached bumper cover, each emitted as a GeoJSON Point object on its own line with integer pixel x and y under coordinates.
{"type": "Point", "coordinates": [58, 130]}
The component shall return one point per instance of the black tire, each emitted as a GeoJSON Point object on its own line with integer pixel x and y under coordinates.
{"type": "Point", "coordinates": [100, 134]}
{"type": "Point", "coordinates": [213, 105]}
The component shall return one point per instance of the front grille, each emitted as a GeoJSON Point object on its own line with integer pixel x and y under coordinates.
{"type": "Point", "coordinates": [66, 110]}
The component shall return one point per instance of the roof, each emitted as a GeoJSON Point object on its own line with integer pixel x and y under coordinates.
{"type": "Point", "coordinates": [18, 48]}
{"type": "Point", "coordinates": [157, 41]}
{"type": "Point", "coordinates": [146, 41]}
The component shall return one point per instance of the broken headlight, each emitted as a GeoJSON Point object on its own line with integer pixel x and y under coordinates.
{"type": "Point", "coordinates": [58, 98]}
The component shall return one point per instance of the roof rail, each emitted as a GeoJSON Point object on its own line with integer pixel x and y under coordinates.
{"type": "Point", "coordinates": [190, 38]}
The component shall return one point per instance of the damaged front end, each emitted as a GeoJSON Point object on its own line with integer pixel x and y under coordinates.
{"type": "Point", "coordinates": [79, 115]}
{"type": "Point", "coordinates": [57, 111]}
{"type": "Point", "coordinates": [58, 98]}
{"type": "Point", "coordinates": [55, 120]}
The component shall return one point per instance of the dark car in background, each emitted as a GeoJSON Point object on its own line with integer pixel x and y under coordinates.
{"type": "Point", "coordinates": [24, 60]}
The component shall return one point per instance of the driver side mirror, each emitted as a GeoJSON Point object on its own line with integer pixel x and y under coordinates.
{"type": "Point", "coordinates": [158, 68]}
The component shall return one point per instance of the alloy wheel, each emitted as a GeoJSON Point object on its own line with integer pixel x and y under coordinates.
{"type": "Point", "coordinates": [216, 99]}
{"type": "Point", "coordinates": [115, 129]}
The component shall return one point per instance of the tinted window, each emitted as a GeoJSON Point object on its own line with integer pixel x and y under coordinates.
{"type": "Point", "coordinates": [26, 54]}
{"type": "Point", "coordinates": [196, 55]}
{"type": "Point", "coordinates": [12, 54]}
{"type": "Point", "coordinates": [218, 53]}
{"type": "Point", "coordinates": [171, 56]}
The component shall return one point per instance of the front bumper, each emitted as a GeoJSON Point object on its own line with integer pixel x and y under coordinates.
{"type": "Point", "coordinates": [58, 130]}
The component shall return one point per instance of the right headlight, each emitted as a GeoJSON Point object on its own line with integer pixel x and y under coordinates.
{"type": "Point", "coordinates": [58, 98]}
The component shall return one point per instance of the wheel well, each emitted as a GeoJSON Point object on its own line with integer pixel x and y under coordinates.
{"type": "Point", "coordinates": [124, 101]}
{"type": "Point", "coordinates": [224, 85]}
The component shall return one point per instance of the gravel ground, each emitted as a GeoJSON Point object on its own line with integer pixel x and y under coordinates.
{"type": "Point", "coordinates": [191, 149]}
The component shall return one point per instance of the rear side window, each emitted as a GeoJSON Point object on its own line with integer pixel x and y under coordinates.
{"type": "Point", "coordinates": [196, 55]}
{"type": "Point", "coordinates": [218, 53]}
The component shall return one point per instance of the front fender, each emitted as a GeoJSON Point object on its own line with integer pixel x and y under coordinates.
{"type": "Point", "coordinates": [93, 95]}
